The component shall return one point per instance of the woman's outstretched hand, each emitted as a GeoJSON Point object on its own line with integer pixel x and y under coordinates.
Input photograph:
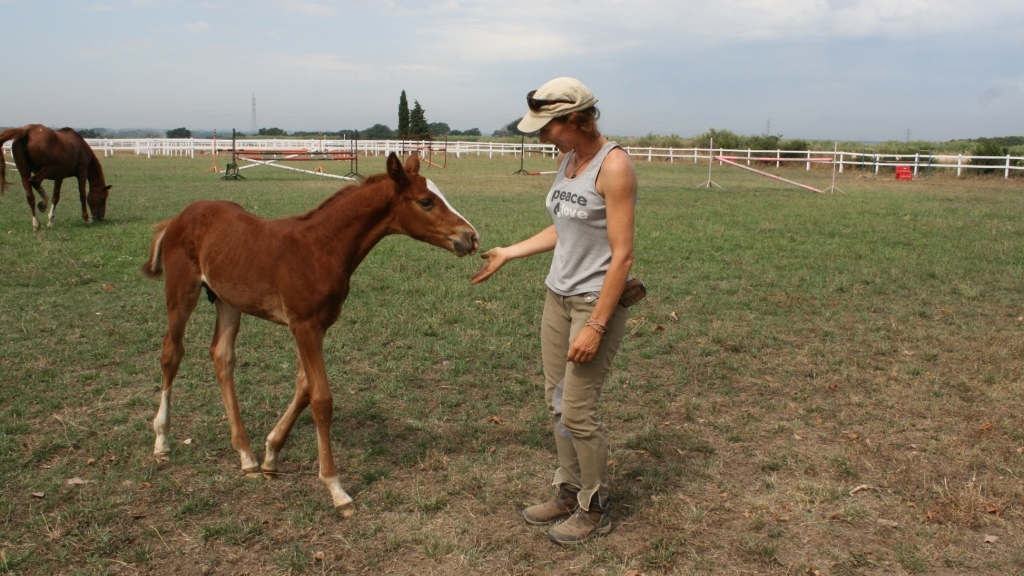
{"type": "Point", "coordinates": [496, 258]}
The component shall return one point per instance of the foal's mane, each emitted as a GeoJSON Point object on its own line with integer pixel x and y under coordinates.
{"type": "Point", "coordinates": [344, 193]}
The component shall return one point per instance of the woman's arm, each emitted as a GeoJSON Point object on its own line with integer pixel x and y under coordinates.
{"type": "Point", "coordinates": [543, 241]}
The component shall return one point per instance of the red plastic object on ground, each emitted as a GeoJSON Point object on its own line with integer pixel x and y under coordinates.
{"type": "Point", "coordinates": [904, 173]}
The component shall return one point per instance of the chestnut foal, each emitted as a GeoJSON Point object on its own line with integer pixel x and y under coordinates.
{"type": "Point", "coordinates": [292, 271]}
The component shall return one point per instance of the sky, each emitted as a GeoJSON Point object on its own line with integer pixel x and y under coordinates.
{"type": "Point", "coordinates": [869, 70]}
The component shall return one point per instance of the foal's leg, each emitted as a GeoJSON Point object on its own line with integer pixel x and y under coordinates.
{"type": "Point", "coordinates": [278, 436]}
{"type": "Point", "coordinates": [53, 205]}
{"type": "Point", "coordinates": [310, 340]}
{"type": "Point", "coordinates": [182, 295]}
{"type": "Point", "coordinates": [222, 351]}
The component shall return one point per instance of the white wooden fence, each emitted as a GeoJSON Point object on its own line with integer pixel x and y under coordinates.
{"type": "Point", "coordinates": [868, 163]}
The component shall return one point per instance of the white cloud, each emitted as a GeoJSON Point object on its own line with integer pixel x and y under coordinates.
{"type": "Point", "coordinates": [321, 63]}
{"type": "Point", "coordinates": [197, 27]}
{"type": "Point", "coordinates": [502, 42]}
{"type": "Point", "coordinates": [309, 8]}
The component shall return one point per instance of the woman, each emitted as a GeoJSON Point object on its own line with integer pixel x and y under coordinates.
{"type": "Point", "coordinates": [592, 204]}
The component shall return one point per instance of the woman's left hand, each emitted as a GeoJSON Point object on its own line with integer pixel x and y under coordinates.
{"type": "Point", "coordinates": [584, 346]}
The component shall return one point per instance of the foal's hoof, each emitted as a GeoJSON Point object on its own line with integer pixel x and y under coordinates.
{"type": "Point", "coordinates": [347, 510]}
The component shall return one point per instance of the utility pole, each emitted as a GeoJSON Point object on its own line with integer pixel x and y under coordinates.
{"type": "Point", "coordinates": [254, 128]}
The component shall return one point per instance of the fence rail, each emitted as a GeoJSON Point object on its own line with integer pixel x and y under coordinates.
{"type": "Point", "coordinates": [844, 160]}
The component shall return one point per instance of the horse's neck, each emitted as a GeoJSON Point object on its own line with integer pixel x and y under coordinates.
{"type": "Point", "coordinates": [353, 222]}
{"type": "Point", "coordinates": [95, 172]}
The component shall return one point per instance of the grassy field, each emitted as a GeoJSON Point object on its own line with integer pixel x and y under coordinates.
{"type": "Point", "coordinates": [816, 384]}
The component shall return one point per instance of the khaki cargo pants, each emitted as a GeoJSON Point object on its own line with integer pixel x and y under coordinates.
{"type": "Point", "coordinates": [572, 392]}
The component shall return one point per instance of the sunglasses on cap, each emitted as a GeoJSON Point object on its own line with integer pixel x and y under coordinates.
{"type": "Point", "coordinates": [536, 104]}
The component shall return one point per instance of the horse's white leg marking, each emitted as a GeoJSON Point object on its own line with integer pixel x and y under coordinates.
{"type": "Point", "coordinates": [270, 455]}
{"type": "Point", "coordinates": [35, 223]}
{"type": "Point", "coordinates": [342, 501]}
{"type": "Point", "coordinates": [249, 463]}
{"type": "Point", "coordinates": [53, 212]}
{"type": "Point", "coordinates": [160, 425]}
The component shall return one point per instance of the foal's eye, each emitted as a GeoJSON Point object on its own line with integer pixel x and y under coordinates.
{"type": "Point", "coordinates": [427, 203]}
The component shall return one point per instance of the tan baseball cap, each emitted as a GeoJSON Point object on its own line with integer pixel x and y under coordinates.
{"type": "Point", "coordinates": [554, 99]}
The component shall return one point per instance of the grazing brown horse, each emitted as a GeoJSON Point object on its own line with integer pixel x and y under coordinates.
{"type": "Point", "coordinates": [293, 271]}
{"type": "Point", "coordinates": [44, 154]}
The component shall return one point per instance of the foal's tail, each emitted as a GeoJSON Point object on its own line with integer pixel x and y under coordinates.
{"type": "Point", "coordinates": [154, 266]}
{"type": "Point", "coordinates": [9, 134]}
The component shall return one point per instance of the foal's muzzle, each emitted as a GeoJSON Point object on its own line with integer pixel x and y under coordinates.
{"type": "Point", "coordinates": [467, 243]}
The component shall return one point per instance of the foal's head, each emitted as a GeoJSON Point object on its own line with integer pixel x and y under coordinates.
{"type": "Point", "coordinates": [423, 212]}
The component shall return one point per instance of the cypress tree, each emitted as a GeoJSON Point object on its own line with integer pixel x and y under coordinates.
{"type": "Point", "coordinates": [403, 116]}
{"type": "Point", "coordinates": [418, 126]}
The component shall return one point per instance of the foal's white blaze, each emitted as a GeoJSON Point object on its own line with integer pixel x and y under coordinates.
{"type": "Point", "coordinates": [162, 447]}
{"type": "Point", "coordinates": [433, 188]}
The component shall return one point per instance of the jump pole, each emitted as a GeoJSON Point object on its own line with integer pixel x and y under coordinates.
{"type": "Point", "coordinates": [772, 176]}
{"type": "Point", "coordinates": [522, 157]}
{"type": "Point", "coordinates": [711, 156]}
{"type": "Point", "coordinates": [832, 188]}
{"type": "Point", "coordinates": [319, 163]}
{"type": "Point", "coordinates": [273, 165]}
{"type": "Point", "coordinates": [231, 170]}
{"type": "Point", "coordinates": [213, 168]}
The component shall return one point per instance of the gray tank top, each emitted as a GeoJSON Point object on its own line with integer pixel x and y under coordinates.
{"type": "Point", "coordinates": [582, 254]}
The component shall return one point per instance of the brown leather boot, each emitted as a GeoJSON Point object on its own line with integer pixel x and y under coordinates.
{"type": "Point", "coordinates": [583, 525]}
{"type": "Point", "coordinates": [562, 505]}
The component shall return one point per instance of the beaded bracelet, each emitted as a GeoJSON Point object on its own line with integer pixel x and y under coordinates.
{"type": "Point", "coordinates": [597, 326]}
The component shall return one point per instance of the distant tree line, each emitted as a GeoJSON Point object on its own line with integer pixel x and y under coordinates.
{"type": "Point", "coordinates": [375, 132]}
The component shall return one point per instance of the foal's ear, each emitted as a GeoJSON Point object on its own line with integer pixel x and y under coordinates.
{"type": "Point", "coordinates": [412, 165]}
{"type": "Point", "coordinates": [397, 172]}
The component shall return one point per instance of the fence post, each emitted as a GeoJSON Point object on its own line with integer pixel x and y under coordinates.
{"type": "Point", "coordinates": [778, 154]}
{"type": "Point", "coordinates": [748, 156]}
{"type": "Point", "coordinates": [959, 164]}
{"type": "Point", "coordinates": [840, 161]}
{"type": "Point", "coordinates": [917, 161]}
{"type": "Point", "coordinates": [1006, 176]}
{"type": "Point", "coordinates": [808, 161]}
